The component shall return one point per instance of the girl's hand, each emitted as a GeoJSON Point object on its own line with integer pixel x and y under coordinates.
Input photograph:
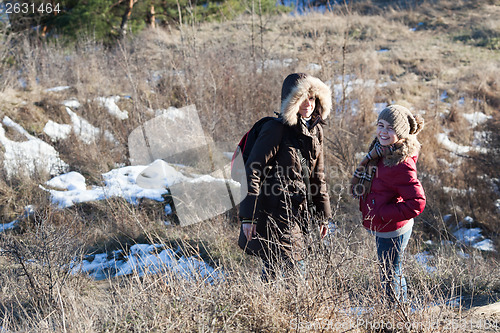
{"type": "Point", "coordinates": [249, 229]}
{"type": "Point", "coordinates": [323, 230]}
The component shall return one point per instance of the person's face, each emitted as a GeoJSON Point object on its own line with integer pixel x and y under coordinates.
{"type": "Point", "coordinates": [307, 107]}
{"type": "Point", "coordinates": [385, 133]}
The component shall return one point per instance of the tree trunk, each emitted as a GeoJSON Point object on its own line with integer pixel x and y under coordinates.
{"type": "Point", "coordinates": [126, 17]}
{"type": "Point", "coordinates": [151, 19]}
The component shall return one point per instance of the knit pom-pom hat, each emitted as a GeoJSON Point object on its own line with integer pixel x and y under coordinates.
{"type": "Point", "coordinates": [402, 120]}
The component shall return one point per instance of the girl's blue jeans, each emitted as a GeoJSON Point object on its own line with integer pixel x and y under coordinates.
{"type": "Point", "coordinates": [390, 256]}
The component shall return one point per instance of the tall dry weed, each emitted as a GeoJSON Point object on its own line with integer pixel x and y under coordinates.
{"type": "Point", "coordinates": [341, 289]}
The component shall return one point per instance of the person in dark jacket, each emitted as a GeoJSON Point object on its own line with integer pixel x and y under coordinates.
{"type": "Point", "coordinates": [390, 194]}
{"type": "Point", "coordinates": [275, 212]}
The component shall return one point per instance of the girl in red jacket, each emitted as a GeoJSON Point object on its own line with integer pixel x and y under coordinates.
{"type": "Point", "coordinates": [390, 194]}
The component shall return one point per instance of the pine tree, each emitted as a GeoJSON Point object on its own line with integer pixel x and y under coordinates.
{"type": "Point", "coordinates": [108, 20]}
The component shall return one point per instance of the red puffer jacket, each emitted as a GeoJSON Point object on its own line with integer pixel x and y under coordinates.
{"type": "Point", "coordinates": [396, 196]}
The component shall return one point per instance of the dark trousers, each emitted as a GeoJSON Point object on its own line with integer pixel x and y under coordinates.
{"type": "Point", "coordinates": [280, 251]}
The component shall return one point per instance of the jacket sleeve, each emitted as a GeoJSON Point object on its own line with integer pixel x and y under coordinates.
{"type": "Point", "coordinates": [318, 184]}
{"type": "Point", "coordinates": [263, 152]}
{"type": "Point", "coordinates": [410, 189]}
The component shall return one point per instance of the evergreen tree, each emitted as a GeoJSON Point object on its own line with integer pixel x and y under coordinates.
{"type": "Point", "coordinates": [110, 19]}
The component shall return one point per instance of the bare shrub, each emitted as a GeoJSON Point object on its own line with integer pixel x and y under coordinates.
{"type": "Point", "coordinates": [40, 259]}
{"type": "Point", "coordinates": [483, 174]}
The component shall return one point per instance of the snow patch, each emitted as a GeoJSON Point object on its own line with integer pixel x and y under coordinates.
{"type": "Point", "coordinates": [476, 118]}
{"type": "Point", "coordinates": [147, 259]}
{"type": "Point", "coordinates": [28, 211]}
{"type": "Point", "coordinates": [480, 137]}
{"type": "Point", "coordinates": [347, 85]}
{"type": "Point", "coordinates": [275, 63]}
{"type": "Point", "coordinates": [423, 260]}
{"type": "Point", "coordinates": [456, 191]}
{"type": "Point", "coordinates": [71, 103]}
{"type": "Point", "coordinates": [113, 109]}
{"type": "Point", "coordinates": [57, 131]}
{"type": "Point", "coordinates": [312, 67]}
{"type": "Point", "coordinates": [378, 107]}
{"type": "Point", "coordinates": [444, 96]}
{"type": "Point", "coordinates": [117, 183]}
{"type": "Point", "coordinates": [8, 226]}
{"type": "Point", "coordinates": [86, 131]}
{"type": "Point", "coordinates": [57, 89]}
{"type": "Point", "coordinates": [445, 141]}
{"type": "Point", "coordinates": [171, 113]}
{"type": "Point", "coordinates": [81, 127]}
{"type": "Point", "coordinates": [485, 245]}
{"type": "Point", "coordinates": [455, 302]}
{"type": "Point", "coordinates": [462, 254]}
{"type": "Point", "coordinates": [468, 236]}
{"type": "Point", "coordinates": [472, 236]}
{"type": "Point", "coordinates": [69, 181]}
{"type": "Point", "coordinates": [31, 156]}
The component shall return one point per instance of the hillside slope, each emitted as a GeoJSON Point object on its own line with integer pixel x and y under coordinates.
{"type": "Point", "coordinates": [67, 114]}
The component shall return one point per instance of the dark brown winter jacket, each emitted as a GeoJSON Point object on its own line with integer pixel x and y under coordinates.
{"type": "Point", "coordinates": [276, 189]}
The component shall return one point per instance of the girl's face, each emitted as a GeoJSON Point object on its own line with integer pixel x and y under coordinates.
{"type": "Point", "coordinates": [385, 133]}
{"type": "Point", "coordinates": [307, 107]}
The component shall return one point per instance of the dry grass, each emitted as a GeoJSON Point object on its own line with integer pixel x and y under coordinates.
{"type": "Point", "coordinates": [342, 288]}
{"type": "Point", "coordinates": [232, 84]}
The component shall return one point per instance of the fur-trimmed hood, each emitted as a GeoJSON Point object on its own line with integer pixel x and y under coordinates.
{"type": "Point", "coordinates": [405, 148]}
{"type": "Point", "coordinates": [300, 89]}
